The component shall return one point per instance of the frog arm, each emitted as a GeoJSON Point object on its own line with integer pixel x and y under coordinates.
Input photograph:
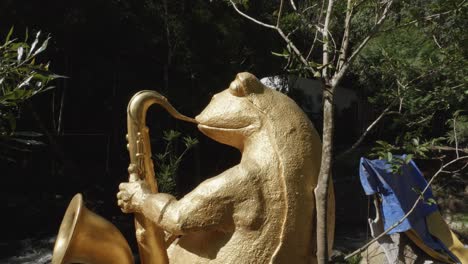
{"type": "Point", "coordinates": [210, 205]}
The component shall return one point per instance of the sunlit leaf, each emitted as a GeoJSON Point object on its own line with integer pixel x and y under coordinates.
{"type": "Point", "coordinates": [20, 53]}
{"type": "Point", "coordinates": [408, 158]}
{"type": "Point", "coordinates": [47, 89]}
{"type": "Point", "coordinates": [280, 54]}
{"type": "Point", "coordinates": [9, 34]}
{"type": "Point", "coordinates": [26, 81]}
{"type": "Point", "coordinates": [431, 201]}
{"type": "Point", "coordinates": [43, 47]}
{"type": "Point", "coordinates": [33, 45]}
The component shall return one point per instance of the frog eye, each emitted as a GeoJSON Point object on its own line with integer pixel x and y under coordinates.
{"type": "Point", "coordinates": [236, 88]}
{"type": "Point", "coordinates": [245, 84]}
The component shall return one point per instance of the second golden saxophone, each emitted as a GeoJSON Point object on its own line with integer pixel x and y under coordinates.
{"type": "Point", "coordinates": [259, 211]}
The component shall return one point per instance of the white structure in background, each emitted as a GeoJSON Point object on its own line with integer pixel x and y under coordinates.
{"type": "Point", "coordinates": [279, 83]}
{"type": "Point", "coordinates": [312, 103]}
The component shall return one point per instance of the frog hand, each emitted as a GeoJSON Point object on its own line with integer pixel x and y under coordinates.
{"type": "Point", "coordinates": [132, 195]}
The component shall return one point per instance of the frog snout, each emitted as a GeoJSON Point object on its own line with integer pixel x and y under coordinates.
{"type": "Point", "coordinates": [205, 116]}
{"type": "Point", "coordinates": [199, 119]}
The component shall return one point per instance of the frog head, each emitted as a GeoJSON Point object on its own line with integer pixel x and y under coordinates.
{"type": "Point", "coordinates": [231, 116]}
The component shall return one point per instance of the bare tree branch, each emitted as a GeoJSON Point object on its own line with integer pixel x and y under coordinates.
{"type": "Point", "coordinates": [325, 46]}
{"type": "Point", "coordinates": [436, 42]}
{"type": "Point", "coordinates": [447, 148]}
{"type": "Point", "coordinates": [455, 135]}
{"type": "Point", "coordinates": [296, 50]}
{"type": "Point", "coordinates": [421, 197]}
{"type": "Point", "coordinates": [251, 18]}
{"type": "Point", "coordinates": [385, 112]}
{"type": "Point", "coordinates": [307, 8]}
{"type": "Point", "coordinates": [279, 14]}
{"type": "Point", "coordinates": [312, 46]}
{"type": "Point", "coordinates": [281, 33]}
{"type": "Point", "coordinates": [345, 40]}
{"type": "Point", "coordinates": [334, 48]}
{"type": "Point", "coordinates": [339, 74]}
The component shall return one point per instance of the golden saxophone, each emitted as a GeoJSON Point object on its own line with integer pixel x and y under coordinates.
{"type": "Point", "coordinates": [77, 241]}
{"type": "Point", "coordinates": [150, 237]}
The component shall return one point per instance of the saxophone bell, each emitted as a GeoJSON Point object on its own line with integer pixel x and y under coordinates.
{"type": "Point", "coordinates": [85, 237]}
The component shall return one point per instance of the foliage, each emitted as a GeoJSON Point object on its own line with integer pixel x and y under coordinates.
{"type": "Point", "coordinates": [310, 31]}
{"type": "Point", "coordinates": [458, 132]}
{"type": "Point", "coordinates": [168, 162]}
{"type": "Point", "coordinates": [416, 62]}
{"type": "Point", "coordinates": [429, 201]}
{"type": "Point", "coordinates": [21, 77]}
{"type": "Point", "coordinates": [354, 259]}
{"type": "Point", "coordinates": [384, 151]}
{"type": "Point", "coordinates": [407, 65]}
{"type": "Point", "coordinates": [418, 149]}
{"type": "Point", "coordinates": [418, 67]}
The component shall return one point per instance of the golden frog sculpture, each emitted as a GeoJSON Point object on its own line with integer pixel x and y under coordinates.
{"type": "Point", "coordinates": [259, 211]}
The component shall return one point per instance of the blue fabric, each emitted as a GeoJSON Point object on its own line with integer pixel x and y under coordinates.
{"type": "Point", "coordinates": [398, 192]}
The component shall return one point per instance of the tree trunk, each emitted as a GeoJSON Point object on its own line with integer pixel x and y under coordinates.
{"type": "Point", "coordinates": [321, 191]}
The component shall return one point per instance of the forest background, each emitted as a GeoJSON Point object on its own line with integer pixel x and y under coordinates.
{"type": "Point", "coordinates": [410, 78]}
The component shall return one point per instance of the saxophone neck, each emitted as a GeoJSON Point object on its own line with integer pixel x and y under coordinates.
{"type": "Point", "coordinates": [139, 145]}
{"type": "Point", "coordinates": [142, 100]}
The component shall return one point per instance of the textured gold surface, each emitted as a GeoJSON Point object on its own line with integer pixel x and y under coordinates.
{"type": "Point", "coordinates": [439, 229]}
{"type": "Point", "coordinates": [259, 211]}
{"type": "Point", "coordinates": [85, 237]}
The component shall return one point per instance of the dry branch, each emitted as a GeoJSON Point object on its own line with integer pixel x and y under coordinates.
{"type": "Point", "coordinates": [375, 29]}
{"type": "Point", "coordinates": [280, 32]}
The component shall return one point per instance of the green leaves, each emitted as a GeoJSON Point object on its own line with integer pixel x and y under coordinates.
{"type": "Point", "coordinates": [190, 142]}
{"type": "Point", "coordinates": [431, 201]}
{"type": "Point", "coordinates": [285, 54]}
{"type": "Point", "coordinates": [422, 77]}
{"type": "Point", "coordinates": [383, 150]}
{"type": "Point", "coordinates": [458, 132]}
{"type": "Point", "coordinates": [168, 162]}
{"type": "Point", "coordinates": [413, 146]}
{"type": "Point", "coordinates": [389, 156]}
{"type": "Point", "coordinates": [7, 39]}
{"type": "Point", "coordinates": [408, 158]}
{"type": "Point", "coordinates": [410, 145]}
{"type": "Point", "coordinates": [21, 78]}
{"type": "Point", "coordinates": [170, 135]}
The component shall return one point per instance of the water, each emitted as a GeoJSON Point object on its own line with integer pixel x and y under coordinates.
{"type": "Point", "coordinates": [31, 251]}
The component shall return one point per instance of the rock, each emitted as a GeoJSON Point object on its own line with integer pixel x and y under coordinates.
{"type": "Point", "coordinates": [337, 257]}
{"type": "Point", "coordinates": [406, 253]}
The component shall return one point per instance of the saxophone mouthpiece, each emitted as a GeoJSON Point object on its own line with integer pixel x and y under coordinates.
{"type": "Point", "coordinates": [186, 118]}
{"type": "Point", "coordinates": [143, 99]}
